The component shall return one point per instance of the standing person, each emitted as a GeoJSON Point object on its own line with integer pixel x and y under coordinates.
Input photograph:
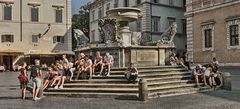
{"type": "Point", "coordinates": [131, 74]}
{"type": "Point", "coordinates": [97, 62]}
{"type": "Point", "coordinates": [23, 79]}
{"type": "Point", "coordinates": [107, 61]}
{"type": "Point", "coordinates": [185, 61]}
{"type": "Point", "coordinates": [36, 75]}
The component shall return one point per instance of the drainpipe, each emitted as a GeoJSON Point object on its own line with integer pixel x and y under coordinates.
{"type": "Point", "coordinates": [21, 24]}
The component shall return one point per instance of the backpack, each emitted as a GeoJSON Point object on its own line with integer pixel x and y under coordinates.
{"type": "Point", "coordinates": [22, 79]}
{"type": "Point", "coordinates": [35, 72]}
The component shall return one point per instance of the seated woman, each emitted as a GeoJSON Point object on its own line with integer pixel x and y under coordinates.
{"type": "Point", "coordinates": [199, 73]}
{"type": "Point", "coordinates": [173, 59]}
{"type": "Point", "coordinates": [49, 78]}
{"type": "Point", "coordinates": [131, 74]}
{"type": "Point", "coordinates": [97, 63]}
{"type": "Point", "coordinates": [88, 66]}
{"type": "Point", "coordinates": [62, 75]}
{"type": "Point", "coordinates": [107, 61]}
{"type": "Point", "coordinates": [57, 78]}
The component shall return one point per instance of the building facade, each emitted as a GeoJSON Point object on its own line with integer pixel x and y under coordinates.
{"type": "Point", "coordinates": [157, 15]}
{"type": "Point", "coordinates": [213, 28]}
{"type": "Point", "coordinates": [34, 29]}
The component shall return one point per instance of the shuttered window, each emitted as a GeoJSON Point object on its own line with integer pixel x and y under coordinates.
{"type": "Point", "coordinates": [34, 14]}
{"type": "Point", "coordinates": [59, 16]}
{"type": "Point", "coordinates": [7, 12]}
{"type": "Point", "coordinates": [7, 38]}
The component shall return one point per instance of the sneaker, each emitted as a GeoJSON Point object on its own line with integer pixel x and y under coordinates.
{"type": "Point", "coordinates": [56, 87]}
{"type": "Point", "coordinates": [36, 98]}
{"type": "Point", "coordinates": [61, 87]}
{"type": "Point", "coordinates": [108, 74]}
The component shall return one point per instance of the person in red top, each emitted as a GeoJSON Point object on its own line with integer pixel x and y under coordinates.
{"type": "Point", "coordinates": [97, 62]}
{"type": "Point", "coordinates": [23, 79]}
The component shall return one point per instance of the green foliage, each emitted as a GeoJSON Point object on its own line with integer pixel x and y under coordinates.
{"type": "Point", "coordinates": [81, 21]}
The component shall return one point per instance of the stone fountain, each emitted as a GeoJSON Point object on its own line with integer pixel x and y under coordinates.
{"type": "Point", "coordinates": [124, 45]}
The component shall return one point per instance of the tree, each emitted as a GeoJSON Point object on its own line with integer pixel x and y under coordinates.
{"type": "Point", "coordinates": [81, 21]}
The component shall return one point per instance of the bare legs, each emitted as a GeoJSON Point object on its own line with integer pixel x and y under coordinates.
{"type": "Point", "coordinates": [23, 93]}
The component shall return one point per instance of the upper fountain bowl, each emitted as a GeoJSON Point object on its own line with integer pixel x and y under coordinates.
{"type": "Point", "coordinates": [124, 14]}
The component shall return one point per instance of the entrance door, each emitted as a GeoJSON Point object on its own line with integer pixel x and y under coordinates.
{"type": "Point", "coordinates": [7, 61]}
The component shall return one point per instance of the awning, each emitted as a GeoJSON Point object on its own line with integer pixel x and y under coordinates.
{"type": "Point", "coordinates": [10, 51]}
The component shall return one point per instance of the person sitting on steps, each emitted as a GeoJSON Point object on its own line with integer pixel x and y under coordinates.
{"type": "Point", "coordinates": [97, 62]}
{"type": "Point", "coordinates": [199, 73]}
{"type": "Point", "coordinates": [107, 61]}
{"type": "Point", "coordinates": [131, 74]}
{"type": "Point", "coordinates": [88, 66]}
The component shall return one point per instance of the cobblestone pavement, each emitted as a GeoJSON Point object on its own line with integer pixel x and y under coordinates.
{"type": "Point", "coordinates": [219, 99]}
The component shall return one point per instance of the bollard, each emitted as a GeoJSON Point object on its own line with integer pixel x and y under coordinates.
{"type": "Point", "coordinates": [227, 82]}
{"type": "Point", "coordinates": [143, 90]}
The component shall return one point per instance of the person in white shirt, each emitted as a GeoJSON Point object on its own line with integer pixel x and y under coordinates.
{"type": "Point", "coordinates": [107, 61]}
{"type": "Point", "coordinates": [88, 66]}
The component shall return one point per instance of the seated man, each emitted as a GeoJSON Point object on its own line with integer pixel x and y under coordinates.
{"type": "Point", "coordinates": [199, 73]}
{"type": "Point", "coordinates": [131, 73]}
{"type": "Point", "coordinates": [97, 62]}
{"type": "Point", "coordinates": [107, 61]}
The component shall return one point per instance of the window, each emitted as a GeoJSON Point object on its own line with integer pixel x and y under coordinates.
{"type": "Point", "coordinates": [59, 16]}
{"type": "Point", "coordinates": [108, 7]}
{"type": "Point", "coordinates": [58, 39]}
{"type": "Point", "coordinates": [34, 14]}
{"type": "Point", "coordinates": [171, 20]}
{"type": "Point", "coordinates": [93, 36]}
{"type": "Point", "coordinates": [8, 38]}
{"type": "Point", "coordinates": [7, 12]}
{"type": "Point", "coordinates": [115, 3]}
{"type": "Point", "coordinates": [100, 13]}
{"type": "Point", "coordinates": [234, 36]}
{"type": "Point", "coordinates": [93, 15]}
{"type": "Point", "coordinates": [126, 3]}
{"type": "Point", "coordinates": [155, 1]}
{"type": "Point", "coordinates": [208, 38]}
{"type": "Point", "coordinates": [35, 38]}
{"type": "Point", "coordinates": [171, 2]}
{"type": "Point", "coordinates": [155, 24]}
{"type": "Point", "coordinates": [138, 2]}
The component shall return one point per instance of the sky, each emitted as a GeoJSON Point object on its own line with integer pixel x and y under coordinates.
{"type": "Point", "coordinates": [76, 4]}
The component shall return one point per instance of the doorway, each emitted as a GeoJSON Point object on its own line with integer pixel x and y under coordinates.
{"type": "Point", "coordinates": [8, 61]}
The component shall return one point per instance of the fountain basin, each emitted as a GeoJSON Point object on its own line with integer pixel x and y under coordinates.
{"type": "Point", "coordinates": [124, 14]}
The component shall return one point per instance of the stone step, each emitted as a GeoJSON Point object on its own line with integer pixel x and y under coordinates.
{"type": "Point", "coordinates": [152, 71]}
{"type": "Point", "coordinates": [179, 91]}
{"type": "Point", "coordinates": [165, 88]}
{"type": "Point", "coordinates": [96, 85]}
{"type": "Point", "coordinates": [171, 78]}
{"type": "Point", "coordinates": [101, 81]}
{"type": "Point", "coordinates": [95, 90]}
{"type": "Point", "coordinates": [147, 68]}
{"type": "Point", "coordinates": [92, 95]}
{"type": "Point", "coordinates": [169, 83]}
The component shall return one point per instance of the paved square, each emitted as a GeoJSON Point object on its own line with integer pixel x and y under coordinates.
{"type": "Point", "coordinates": [219, 99]}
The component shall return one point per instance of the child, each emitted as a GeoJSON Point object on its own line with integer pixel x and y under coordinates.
{"type": "Point", "coordinates": [23, 78]}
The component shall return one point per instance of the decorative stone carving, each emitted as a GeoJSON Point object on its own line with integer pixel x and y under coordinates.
{"type": "Point", "coordinates": [136, 38]}
{"type": "Point", "coordinates": [168, 36]}
{"type": "Point", "coordinates": [107, 29]}
{"type": "Point", "coordinates": [82, 39]}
